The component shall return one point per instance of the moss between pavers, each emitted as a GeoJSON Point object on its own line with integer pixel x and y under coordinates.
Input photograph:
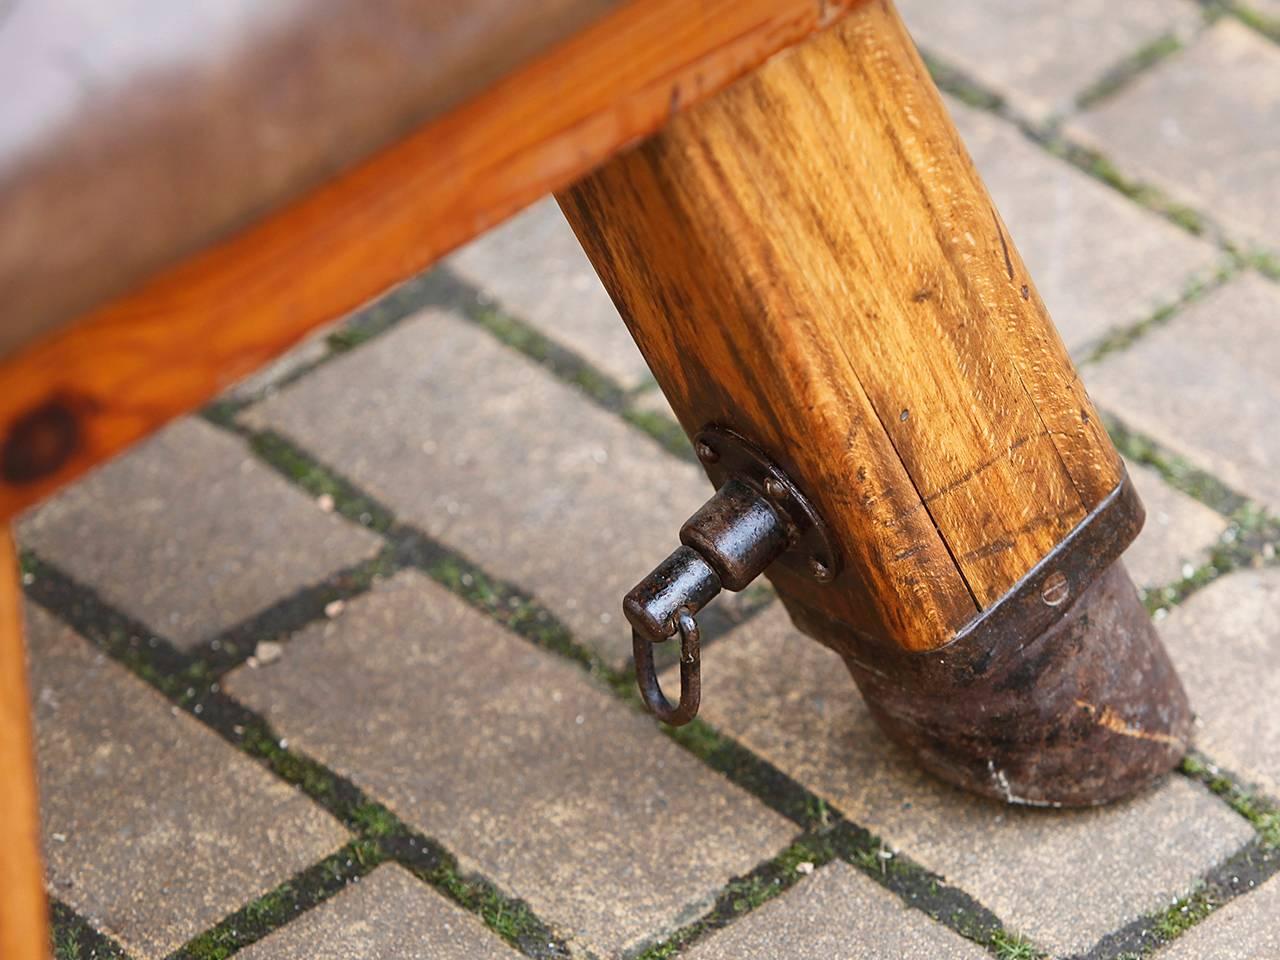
{"type": "Point", "coordinates": [74, 939]}
{"type": "Point", "coordinates": [1268, 26]}
{"type": "Point", "coordinates": [1196, 289]}
{"type": "Point", "coordinates": [1098, 166]}
{"type": "Point", "coordinates": [1238, 874]}
{"type": "Point", "coordinates": [277, 907]}
{"type": "Point", "coordinates": [1262, 813]}
{"type": "Point", "coordinates": [1123, 73]}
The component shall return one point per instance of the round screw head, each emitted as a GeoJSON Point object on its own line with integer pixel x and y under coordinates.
{"type": "Point", "coordinates": [706, 453]}
{"type": "Point", "coordinates": [818, 567]}
{"type": "Point", "coordinates": [1055, 590]}
{"type": "Point", "coordinates": [775, 489]}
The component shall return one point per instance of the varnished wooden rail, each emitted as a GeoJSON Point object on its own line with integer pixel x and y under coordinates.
{"type": "Point", "coordinates": [76, 397]}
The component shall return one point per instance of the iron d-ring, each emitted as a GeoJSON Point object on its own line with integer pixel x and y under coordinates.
{"type": "Point", "coordinates": [690, 672]}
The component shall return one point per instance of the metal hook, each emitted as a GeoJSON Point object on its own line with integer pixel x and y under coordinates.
{"type": "Point", "coordinates": [690, 672]}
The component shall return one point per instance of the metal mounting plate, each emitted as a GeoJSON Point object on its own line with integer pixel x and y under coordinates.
{"type": "Point", "coordinates": [727, 455]}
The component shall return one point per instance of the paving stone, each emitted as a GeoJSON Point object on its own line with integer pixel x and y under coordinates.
{"type": "Point", "coordinates": [837, 912]}
{"type": "Point", "coordinates": [534, 268]}
{"type": "Point", "coordinates": [191, 535]}
{"type": "Point", "coordinates": [1063, 878]}
{"type": "Point", "coordinates": [1041, 54]}
{"type": "Point", "coordinates": [1204, 126]}
{"type": "Point", "coordinates": [557, 791]}
{"type": "Point", "coordinates": [1247, 928]}
{"type": "Point", "coordinates": [154, 827]}
{"type": "Point", "coordinates": [389, 915]}
{"type": "Point", "coordinates": [1099, 260]}
{"type": "Point", "coordinates": [485, 450]}
{"type": "Point", "coordinates": [1179, 532]}
{"type": "Point", "coordinates": [311, 350]}
{"type": "Point", "coordinates": [1204, 385]}
{"type": "Point", "coordinates": [1225, 641]}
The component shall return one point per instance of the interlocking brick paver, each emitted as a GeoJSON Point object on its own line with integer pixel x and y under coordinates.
{"type": "Point", "coordinates": [486, 451]}
{"type": "Point", "coordinates": [1205, 386]}
{"type": "Point", "coordinates": [1063, 878]}
{"type": "Point", "coordinates": [1205, 127]}
{"type": "Point", "coordinates": [554, 789]}
{"type": "Point", "coordinates": [1224, 641]}
{"type": "Point", "coordinates": [1179, 531]}
{"type": "Point", "coordinates": [190, 534]}
{"type": "Point", "coordinates": [154, 828]}
{"type": "Point", "coordinates": [1041, 54]}
{"type": "Point", "coordinates": [1247, 928]}
{"type": "Point", "coordinates": [389, 915]}
{"type": "Point", "coordinates": [837, 912]}
{"type": "Point", "coordinates": [534, 268]}
{"type": "Point", "coordinates": [1056, 215]}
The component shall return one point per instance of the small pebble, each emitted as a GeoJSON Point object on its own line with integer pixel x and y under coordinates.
{"type": "Point", "coordinates": [268, 651]}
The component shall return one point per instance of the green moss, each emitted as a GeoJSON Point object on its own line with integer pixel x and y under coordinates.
{"type": "Point", "coordinates": [1011, 946]}
{"type": "Point", "coordinates": [1123, 73]}
{"type": "Point", "coordinates": [277, 907]}
{"type": "Point", "coordinates": [954, 82]}
{"type": "Point", "coordinates": [1267, 26]}
{"type": "Point", "coordinates": [374, 820]}
{"type": "Point", "coordinates": [669, 434]}
{"type": "Point", "coordinates": [1261, 813]}
{"type": "Point", "coordinates": [318, 480]}
{"type": "Point", "coordinates": [1195, 290]}
{"type": "Point", "coordinates": [1182, 915]}
{"type": "Point", "coordinates": [511, 919]}
{"type": "Point", "coordinates": [1101, 168]}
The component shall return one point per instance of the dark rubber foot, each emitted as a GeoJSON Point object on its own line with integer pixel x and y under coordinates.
{"type": "Point", "coordinates": [1088, 712]}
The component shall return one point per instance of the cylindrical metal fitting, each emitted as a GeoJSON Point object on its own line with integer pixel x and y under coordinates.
{"type": "Point", "coordinates": [682, 580]}
{"type": "Point", "coordinates": [737, 532]}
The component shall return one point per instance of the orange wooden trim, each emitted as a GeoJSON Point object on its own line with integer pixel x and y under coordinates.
{"type": "Point", "coordinates": [82, 394]}
{"type": "Point", "coordinates": [24, 930]}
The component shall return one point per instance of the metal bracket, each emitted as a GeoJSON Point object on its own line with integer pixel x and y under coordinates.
{"type": "Point", "coordinates": [727, 455]}
{"type": "Point", "coordinates": [756, 517]}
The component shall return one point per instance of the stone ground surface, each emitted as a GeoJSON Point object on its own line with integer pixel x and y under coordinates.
{"type": "Point", "coordinates": [335, 669]}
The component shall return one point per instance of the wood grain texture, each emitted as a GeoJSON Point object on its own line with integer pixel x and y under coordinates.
{"type": "Point", "coordinates": [77, 396]}
{"type": "Point", "coordinates": [24, 933]}
{"type": "Point", "coordinates": [809, 257]}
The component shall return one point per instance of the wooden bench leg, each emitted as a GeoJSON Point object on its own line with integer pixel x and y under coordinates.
{"type": "Point", "coordinates": [809, 259]}
{"type": "Point", "coordinates": [24, 932]}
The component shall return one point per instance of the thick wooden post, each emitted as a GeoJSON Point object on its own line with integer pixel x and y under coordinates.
{"type": "Point", "coordinates": [810, 259]}
{"type": "Point", "coordinates": [24, 933]}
